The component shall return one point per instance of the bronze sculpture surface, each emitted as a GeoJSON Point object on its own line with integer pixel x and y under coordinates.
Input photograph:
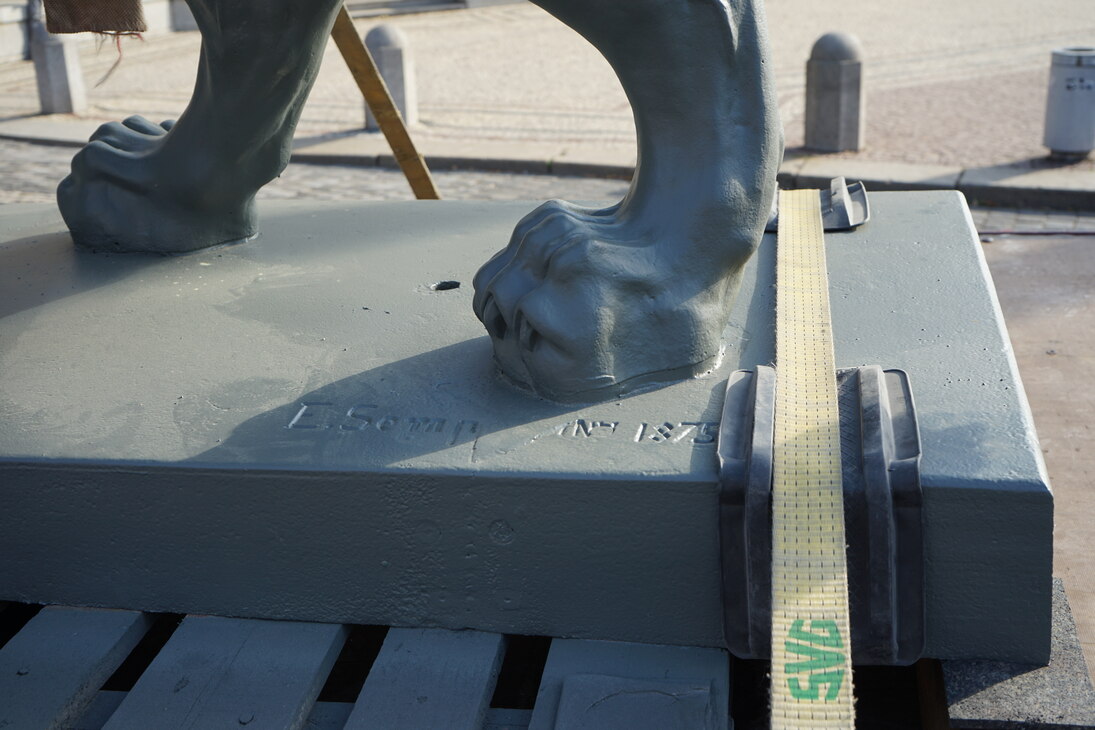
{"type": "Point", "coordinates": [581, 304]}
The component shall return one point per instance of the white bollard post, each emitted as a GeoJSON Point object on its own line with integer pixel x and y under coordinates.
{"type": "Point", "coordinates": [392, 55]}
{"type": "Point", "coordinates": [181, 17]}
{"type": "Point", "coordinates": [835, 106]}
{"type": "Point", "coordinates": [1070, 105]}
{"type": "Point", "coordinates": [14, 40]}
{"type": "Point", "coordinates": [56, 68]}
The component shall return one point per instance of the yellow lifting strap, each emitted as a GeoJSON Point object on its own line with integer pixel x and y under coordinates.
{"type": "Point", "coordinates": [811, 641]}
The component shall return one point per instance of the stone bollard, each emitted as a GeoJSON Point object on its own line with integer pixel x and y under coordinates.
{"type": "Point", "coordinates": [56, 68]}
{"type": "Point", "coordinates": [181, 17]}
{"type": "Point", "coordinates": [835, 106]}
{"type": "Point", "coordinates": [392, 55]}
{"type": "Point", "coordinates": [14, 42]}
{"type": "Point", "coordinates": [1070, 105]}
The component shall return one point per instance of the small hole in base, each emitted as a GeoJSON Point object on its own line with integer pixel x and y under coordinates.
{"type": "Point", "coordinates": [445, 285]}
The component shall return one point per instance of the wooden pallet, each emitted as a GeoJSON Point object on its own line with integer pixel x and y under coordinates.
{"type": "Point", "coordinates": [98, 669]}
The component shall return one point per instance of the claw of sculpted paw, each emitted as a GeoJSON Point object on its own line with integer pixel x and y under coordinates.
{"type": "Point", "coordinates": [139, 186]}
{"type": "Point", "coordinates": [579, 307]}
{"type": "Point", "coordinates": [587, 304]}
{"type": "Point", "coordinates": [134, 134]}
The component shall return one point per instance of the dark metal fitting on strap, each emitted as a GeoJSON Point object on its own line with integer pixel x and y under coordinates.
{"type": "Point", "coordinates": [843, 207]}
{"type": "Point", "coordinates": [880, 457]}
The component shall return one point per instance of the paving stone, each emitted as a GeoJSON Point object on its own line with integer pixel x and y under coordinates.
{"type": "Point", "coordinates": [29, 173]}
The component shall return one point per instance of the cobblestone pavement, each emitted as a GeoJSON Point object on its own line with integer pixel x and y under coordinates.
{"type": "Point", "coordinates": [955, 83]}
{"type": "Point", "coordinates": [29, 173]}
{"type": "Point", "coordinates": [997, 222]}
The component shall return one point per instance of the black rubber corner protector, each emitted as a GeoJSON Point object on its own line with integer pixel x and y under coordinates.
{"type": "Point", "coordinates": [880, 456]}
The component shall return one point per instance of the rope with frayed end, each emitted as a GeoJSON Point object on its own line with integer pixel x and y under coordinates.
{"type": "Point", "coordinates": [117, 35]}
{"type": "Point", "coordinates": [106, 18]}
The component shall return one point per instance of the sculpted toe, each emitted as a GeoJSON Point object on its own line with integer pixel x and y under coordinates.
{"type": "Point", "coordinates": [491, 317]}
{"type": "Point", "coordinates": [116, 135]}
{"type": "Point", "coordinates": [139, 124]}
{"type": "Point", "coordinates": [483, 278]}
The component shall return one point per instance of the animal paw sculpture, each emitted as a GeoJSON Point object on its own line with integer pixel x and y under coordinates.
{"type": "Point", "coordinates": [582, 304]}
{"type": "Point", "coordinates": [585, 304]}
{"type": "Point", "coordinates": [138, 186]}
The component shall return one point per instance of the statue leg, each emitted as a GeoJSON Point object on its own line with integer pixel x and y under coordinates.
{"type": "Point", "coordinates": [139, 186]}
{"type": "Point", "coordinates": [584, 304]}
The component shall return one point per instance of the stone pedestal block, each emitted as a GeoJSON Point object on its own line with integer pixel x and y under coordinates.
{"type": "Point", "coordinates": [305, 426]}
{"type": "Point", "coordinates": [1007, 696]}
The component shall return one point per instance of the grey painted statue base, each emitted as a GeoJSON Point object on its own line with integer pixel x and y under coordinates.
{"type": "Point", "coordinates": [305, 426]}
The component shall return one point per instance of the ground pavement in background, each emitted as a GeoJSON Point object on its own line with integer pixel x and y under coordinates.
{"type": "Point", "coordinates": [960, 84]}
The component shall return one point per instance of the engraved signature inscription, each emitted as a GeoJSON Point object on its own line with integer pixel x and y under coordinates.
{"type": "Point", "coordinates": [370, 417]}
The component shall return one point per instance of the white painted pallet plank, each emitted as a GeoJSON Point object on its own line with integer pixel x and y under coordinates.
{"type": "Point", "coordinates": [99, 710]}
{"type": "Point", "coordinates": [507, 718]}
{"type": "Point", "coordinates": [328, 716]}
{"type": "Point", "coordinates": [224, 672]}
{"type": "Point", "coordinates": [613, 685]}
{"type": "Point", "coordinates": [51, 670]}
{"type": "Point", "coordinates": [429, 678]}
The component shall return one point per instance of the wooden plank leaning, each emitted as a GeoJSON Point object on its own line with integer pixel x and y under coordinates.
{"type": "Point", "coordinates": [379, 99]}
{"type": "Point", "coordinates": [51, 670]}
